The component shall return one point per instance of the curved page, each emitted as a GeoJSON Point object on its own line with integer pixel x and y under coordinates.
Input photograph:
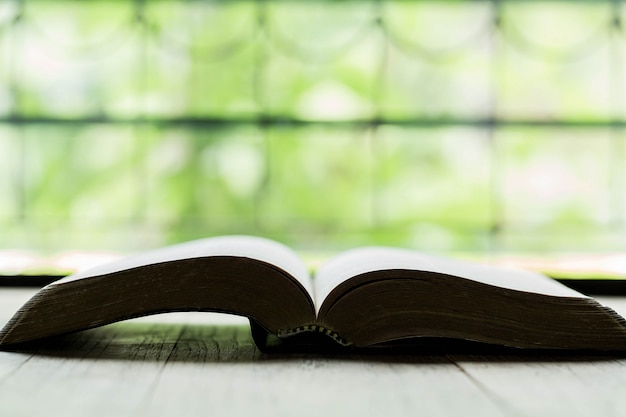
{"type": "Point", "coordinates": [253, 277]}
{"type": "Point", "coordinates": [251, 247]}
{"type": "Point", "coordinates": [363, 260]}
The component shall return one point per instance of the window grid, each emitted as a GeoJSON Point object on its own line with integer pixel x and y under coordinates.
{"type": "Point", "coordinates": [348, 120]}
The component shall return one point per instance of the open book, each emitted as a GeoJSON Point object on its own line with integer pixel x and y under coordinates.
{"type": "Point", "coordinates": [363, 297]}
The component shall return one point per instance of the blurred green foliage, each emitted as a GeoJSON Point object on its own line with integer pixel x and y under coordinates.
{"type": "Point", "coordinates": [439, 125]}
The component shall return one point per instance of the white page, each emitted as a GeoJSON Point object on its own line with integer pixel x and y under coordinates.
{"type": "Point", "coordinates": [261, 249]}
{"type": "Point", "coordinates": [359, 261]}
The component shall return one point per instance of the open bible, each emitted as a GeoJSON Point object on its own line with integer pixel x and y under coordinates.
{"type": "Point", "coordinates": [363, 297]}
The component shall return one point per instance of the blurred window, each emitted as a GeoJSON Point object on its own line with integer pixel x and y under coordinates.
{"type": "Point", "coordinates": [448, 126]}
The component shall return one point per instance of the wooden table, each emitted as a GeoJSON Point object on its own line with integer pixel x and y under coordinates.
{"type": "Point", "coordinates": [203, 364]}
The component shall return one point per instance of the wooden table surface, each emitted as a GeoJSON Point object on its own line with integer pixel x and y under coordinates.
{"type": "Point", "coordinates": [203, 364]}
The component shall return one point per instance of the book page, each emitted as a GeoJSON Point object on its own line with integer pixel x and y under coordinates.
{"type": "Point", "coordinates": [261, 249]}
{"type": "Point", "coordinates": [360, 261]}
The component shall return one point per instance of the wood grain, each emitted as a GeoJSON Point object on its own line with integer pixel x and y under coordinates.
{"type": "Point", "coordinates": [201, 364]}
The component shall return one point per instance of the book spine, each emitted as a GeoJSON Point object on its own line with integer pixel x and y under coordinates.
{"type": "Point", "coordinates": [314, 328]}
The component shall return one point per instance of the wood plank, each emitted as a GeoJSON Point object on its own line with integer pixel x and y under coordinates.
{"type": "Point", "coordinates": [319, 385]}
{"type": "Point", "coordinates": [190, 364]}
{"type": "Point", "coordinates": [557, 385]}
{"type": "Point", "coordinates": [171, 369]}
{"type": "Point", "coordinates": [10, 301]}
{"type": "Point", "coordinates": [549, 386]}
{"type": "Point", "coordinates": [157, 369]}
{"type": "Point", "coordinates": [158, 366]}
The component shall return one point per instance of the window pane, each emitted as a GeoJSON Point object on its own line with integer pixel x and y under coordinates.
{"type": "Point", "coordinates": [320, 182]}
{"type": "Point", "coordinates": [435, 184]}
